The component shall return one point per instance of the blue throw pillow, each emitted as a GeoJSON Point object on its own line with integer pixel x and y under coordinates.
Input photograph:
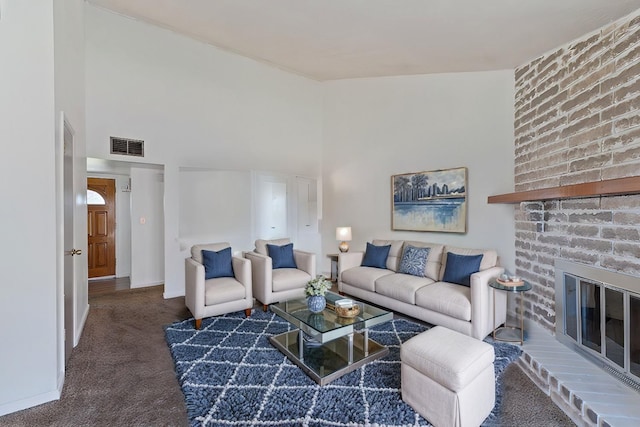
{"type": "Point", "coordinates": [282, 256]}
{"type": "Point", "coordinates": [460, 268]}
{"type": "Point", "coordinates": [217, 264]}
{"type": "Point", "coordinates": [376, 256]}
{"type": "Point", "coordinates": [414, 261]}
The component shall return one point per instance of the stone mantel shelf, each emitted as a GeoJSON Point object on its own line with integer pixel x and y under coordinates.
{"type": "Point", "coordinates": [607, 187]}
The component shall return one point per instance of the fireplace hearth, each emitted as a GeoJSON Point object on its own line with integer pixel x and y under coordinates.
{"type": "Point", "coordinates": [598, 314]}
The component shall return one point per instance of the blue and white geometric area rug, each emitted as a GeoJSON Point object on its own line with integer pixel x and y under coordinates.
{"type": "Point", "coordinates": [231, 375]}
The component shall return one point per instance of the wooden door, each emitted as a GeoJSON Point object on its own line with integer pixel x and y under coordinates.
{"type": "Point", "coordinates": [101, 223]}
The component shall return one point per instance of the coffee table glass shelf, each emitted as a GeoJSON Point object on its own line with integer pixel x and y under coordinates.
{"type": "Point", "coordinates": [324, 345]}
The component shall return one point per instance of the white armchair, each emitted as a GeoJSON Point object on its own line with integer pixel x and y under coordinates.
{"type": "Point", "coordinates": [279, 284]}
{"type": "Point", "coordinates": [220, 295]}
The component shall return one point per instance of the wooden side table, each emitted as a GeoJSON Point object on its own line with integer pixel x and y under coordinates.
{"type": "Point", "coordinates": [509, 333]}
{"type": "Point", "coordinates": [334, 266]}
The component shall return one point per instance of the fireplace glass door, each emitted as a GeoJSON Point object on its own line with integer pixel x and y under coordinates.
{"type": "Point", "coordinates": [590, 308]}
{"type": "Point", "coordinates": [634, 333]}
{"type": "Point", "coordinates": [604, 320]}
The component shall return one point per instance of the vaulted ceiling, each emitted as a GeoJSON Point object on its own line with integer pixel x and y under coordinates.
{"type": "Point", "coordinates": [337, 39]}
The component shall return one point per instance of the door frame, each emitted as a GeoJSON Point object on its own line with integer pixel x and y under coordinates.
{"type": "Point", "coordinates": [63, 335]}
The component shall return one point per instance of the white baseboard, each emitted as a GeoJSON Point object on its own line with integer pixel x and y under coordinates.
{"type": "Point", "coordinates": [19, 405]}
{"type": "Point", "coordinates": [83, 320]}
{"type": "Point", "coordinates": [61, 377]}
{"type": "Point", "coordinates": [146, 285]}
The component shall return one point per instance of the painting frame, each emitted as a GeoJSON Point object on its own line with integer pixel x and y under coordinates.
{"type": "Point", "coordinates": [430, 201]}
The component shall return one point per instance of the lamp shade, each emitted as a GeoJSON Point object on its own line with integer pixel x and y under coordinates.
{"type": "Point", "coordinates": [343, 234]}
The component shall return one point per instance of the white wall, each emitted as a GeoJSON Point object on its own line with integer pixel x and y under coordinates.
{"type": "Point", "coordinates": [195, 106]}
{"type": "Point", "coordinates": [215, 206]}
{"type": "Point", "coordinates": [28, 295]}
{"type": "Point", "coordinates": [147, 227]}
{"type": "Point", "coordinates": [378, 127]}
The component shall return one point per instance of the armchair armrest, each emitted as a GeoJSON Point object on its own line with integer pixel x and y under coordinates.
{"type": "Point", "coordinates": [306, 261]}
{"type": "Point", "coordinates": [482, 302]}
{"type": "Point", "coordinates": [261, 275]}
{"type": "Point", "coordinates": [242, 273]}
{"type": "Point", "coordinates": [194, 287]}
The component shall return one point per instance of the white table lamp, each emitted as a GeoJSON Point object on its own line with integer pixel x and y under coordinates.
{"type": "Point", "coordinates": [343, 234]}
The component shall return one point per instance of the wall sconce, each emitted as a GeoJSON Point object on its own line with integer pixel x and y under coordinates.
{"type": "Point", "coordinates": [343, 234]}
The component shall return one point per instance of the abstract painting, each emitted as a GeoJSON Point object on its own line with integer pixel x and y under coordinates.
{"type": "Point", "coordinates": [430, 201]}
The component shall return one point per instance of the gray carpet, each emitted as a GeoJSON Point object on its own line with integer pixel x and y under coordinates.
{"type": "Point", "coordinates": [121, 373]}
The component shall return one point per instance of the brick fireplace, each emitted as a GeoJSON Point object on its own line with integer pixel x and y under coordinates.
{"type": "Point", "coordinates": [577, 120]}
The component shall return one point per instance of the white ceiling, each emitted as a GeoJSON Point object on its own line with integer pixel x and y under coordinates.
{"type": "Point", "coordinates": [337, 39]}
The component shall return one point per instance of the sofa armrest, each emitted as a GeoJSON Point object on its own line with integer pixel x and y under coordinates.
{"type": "Point", "coordinates": [482, 302]}
{"type": "Point", "coordinates": [242, 273]}
{"type": "Point", "coordinates": [194, 287]}
{"type": "Point", "coordinates": [347, 260]}
{"type": "Point", "coordinates": [261, 275]}
{"type": "Point", "coordinates": [306, 261]}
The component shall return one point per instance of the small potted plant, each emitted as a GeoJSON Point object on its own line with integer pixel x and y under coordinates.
{"type": "Point", "coordinates": [315, 290]}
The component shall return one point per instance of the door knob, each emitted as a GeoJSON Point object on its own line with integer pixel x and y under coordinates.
{"type": "Point", "coordinates": [76, 252]}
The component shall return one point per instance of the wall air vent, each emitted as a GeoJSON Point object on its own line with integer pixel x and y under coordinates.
{"type": "Point", "coordinates": [127, 147]}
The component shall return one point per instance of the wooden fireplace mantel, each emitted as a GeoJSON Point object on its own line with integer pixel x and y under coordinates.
{"type": "Point", "coordinates": [607, 187]}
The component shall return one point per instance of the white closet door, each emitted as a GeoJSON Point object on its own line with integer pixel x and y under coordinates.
{"type": "Point", "coordinates": [271, 210]}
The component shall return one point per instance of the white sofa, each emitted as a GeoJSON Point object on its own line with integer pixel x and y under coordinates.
{"type": "Point", "coordinates": [468, 310]}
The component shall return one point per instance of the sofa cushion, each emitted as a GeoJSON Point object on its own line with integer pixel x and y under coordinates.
{"type": "Point", "coordinates": [459, 268]}
{"type": "Point", "coordinates": [489, 257]}
{"type": "Point", "coordinates": [376, 256]}
{"type": "Point", "coordinates": [364, 277]}
{"type": "Point", "coordinates": [217, 263]}
{"type": "Point", "coordinates": [413, 261]}
{"type": "Point", "coordinates": [261, 245]}
{"type": "Point", "coordinates": [401, 287]}
{"type": "Point", "coordinates": [284, 279]}
{"type": "Point", "coordinates": [196, 250]}
{"type": "Point", "coordinates": [395, 252]}
{"type": "Point", "coordinates": [434, 261]}
{"type": "Point", "coordinates": [223, 289]}
{"type": "Point", "coordinates": [281, 256]}
{"type": "Point", "coordinates": [446, 298]}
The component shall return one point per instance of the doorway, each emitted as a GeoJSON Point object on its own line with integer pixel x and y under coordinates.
{"type": "Point", "coordinates": [101, 239]}
{"type": "Point", "coordinates": [139, 220]}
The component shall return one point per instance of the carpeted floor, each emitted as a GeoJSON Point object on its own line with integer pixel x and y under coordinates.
{"type": "Point", "coordinates": [122, 374]}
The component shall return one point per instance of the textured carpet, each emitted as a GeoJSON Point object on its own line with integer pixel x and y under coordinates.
{"type": "Point", "coordinates": [231, 375]}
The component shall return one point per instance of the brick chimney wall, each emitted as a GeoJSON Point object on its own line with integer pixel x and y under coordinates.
{"type": "Point", "coordinates": [577, 119]}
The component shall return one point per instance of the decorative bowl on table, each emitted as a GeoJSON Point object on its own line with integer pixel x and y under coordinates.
{"type": "Point", "coordinates": [352, 311]}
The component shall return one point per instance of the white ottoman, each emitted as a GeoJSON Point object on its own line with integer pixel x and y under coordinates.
{"type": "Point", "coordinates": [448, 377]}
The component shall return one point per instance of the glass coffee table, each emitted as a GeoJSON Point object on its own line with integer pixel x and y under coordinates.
{"type": "Point", "coordinates": [324, 345]}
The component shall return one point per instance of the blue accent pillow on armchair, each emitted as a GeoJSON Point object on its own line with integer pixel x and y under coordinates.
{"type": "Point", "coordinates": [217, 264]}
{"type": "Point", "coordinates": [460, 268]}
{"type": "Point", "coordinates": [414, 261]}
{"type": "Point", "coordinates": [282, 256]}
{"type": "Point", "coordinates": [376, 256]}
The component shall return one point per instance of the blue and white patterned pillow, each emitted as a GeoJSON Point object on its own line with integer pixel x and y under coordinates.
{"type": "Point", "coordinates": [414, 261]}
